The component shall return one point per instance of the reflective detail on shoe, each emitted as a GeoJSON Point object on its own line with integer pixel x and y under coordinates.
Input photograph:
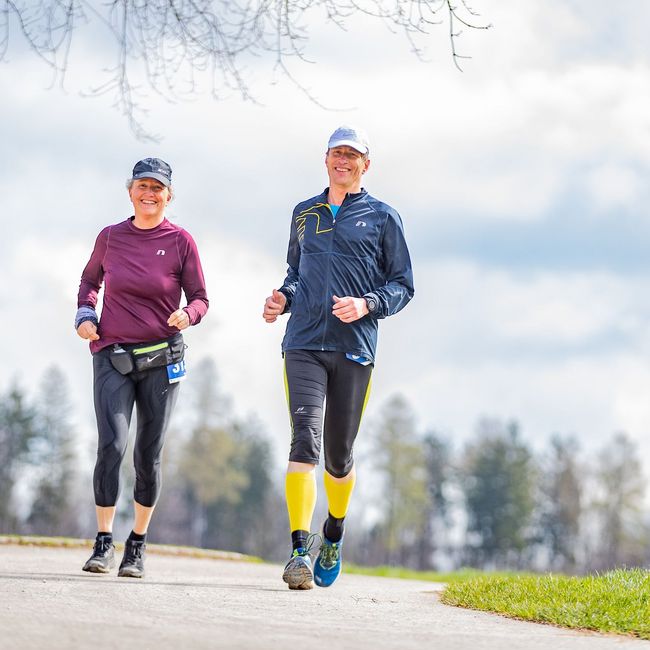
{"type": "Point", "coordinates": [103, 558]}
{"type": "Point", "coordinates": [328, 563]}
{"type": "Point", "coordinates": [132, 565]}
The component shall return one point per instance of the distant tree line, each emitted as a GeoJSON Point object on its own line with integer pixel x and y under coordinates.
{"type": "Point", "coordinates": [492, 503]}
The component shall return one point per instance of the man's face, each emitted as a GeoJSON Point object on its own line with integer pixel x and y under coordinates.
{"type": "Point", "coordinates": [345, 166]}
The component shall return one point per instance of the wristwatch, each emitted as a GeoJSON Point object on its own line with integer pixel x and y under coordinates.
{"type": "Point", "coordinates": [371, 301]}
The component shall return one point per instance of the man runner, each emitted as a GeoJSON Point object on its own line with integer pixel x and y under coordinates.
{"type": "Point", "coordinates": [349, 266]}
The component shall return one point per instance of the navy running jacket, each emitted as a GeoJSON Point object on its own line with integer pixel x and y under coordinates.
{"type": "Point", "coordinates": [362, 252]}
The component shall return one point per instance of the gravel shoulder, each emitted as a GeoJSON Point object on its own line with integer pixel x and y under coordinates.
{"type": "Point", "coordinates": [46, 601]}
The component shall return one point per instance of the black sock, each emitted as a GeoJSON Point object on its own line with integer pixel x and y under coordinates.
{"type": "Point", "coordinates": [299, 538]}
{"type": "Point", "coordinates": [134, 537]}
{"type": "Point", "coordinates": [333, 528]}
{"type": "Point", "coordinates": [107, 536]}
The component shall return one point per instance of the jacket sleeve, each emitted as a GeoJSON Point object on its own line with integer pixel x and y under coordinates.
{"type": "Point", "coordinates": [290, 283]}
{"type": "Point", "coordinates": [92, 276]}
{"type": "Point", "coordinates": [193, 281]}
{"type": "Point", "coordinates": [398, 273]}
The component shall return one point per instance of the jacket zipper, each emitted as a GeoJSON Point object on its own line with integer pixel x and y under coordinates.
{"type": "Point", "coordinates": [327, 275]}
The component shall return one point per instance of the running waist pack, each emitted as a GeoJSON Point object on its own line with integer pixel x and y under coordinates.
{"type": "Point", "coordinates": [144, 356]}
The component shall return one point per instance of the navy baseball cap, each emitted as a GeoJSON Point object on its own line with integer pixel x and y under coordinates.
{"type": "Point", "coordinates": [153, 168]}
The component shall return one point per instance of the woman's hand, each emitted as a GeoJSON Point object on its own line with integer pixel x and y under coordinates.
{"type": "Point", "coordinates": [88, 330]}
{"type": "Point", "coordinates": [179, 319]}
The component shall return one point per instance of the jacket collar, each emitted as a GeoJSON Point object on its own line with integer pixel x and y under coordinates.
{"type": "Point", "coordinates": [348, 197]}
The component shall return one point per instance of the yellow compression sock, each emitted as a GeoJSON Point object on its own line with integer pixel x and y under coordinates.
{"type": "Point", "coordinates": [300, 488]}
{"type": "Point", "coordinates": [338, 495]}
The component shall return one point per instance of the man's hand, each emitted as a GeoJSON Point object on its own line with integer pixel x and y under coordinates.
{"type": "Point", "coordinates": [88, 330]}
{"type": "Point", "coordinates": [180, 319]}
{"type": "Point", "coordinates": [274, 306]}
{"type": "Point", "coordinates": [349, 309]}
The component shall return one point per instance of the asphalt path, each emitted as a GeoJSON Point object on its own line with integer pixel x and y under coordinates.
{"type": "Point", "coordinates": [47, 602]}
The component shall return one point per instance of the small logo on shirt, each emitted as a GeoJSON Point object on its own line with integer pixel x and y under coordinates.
{"type": "Point", "coordinates": [361, 223]}
{"type": "Point", "coordinates": [300, 409]}
{"type": "Point", "coordinates": [160, 252]}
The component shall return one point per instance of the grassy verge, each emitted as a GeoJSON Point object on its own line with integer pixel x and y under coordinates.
{"type": "Point", "coordinates": [462, 575]}
{"type": "Point", "coordinates": [618, 601]}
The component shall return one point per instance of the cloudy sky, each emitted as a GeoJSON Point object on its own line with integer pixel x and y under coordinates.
{"type": "Point", "coordinates": [522, 183]}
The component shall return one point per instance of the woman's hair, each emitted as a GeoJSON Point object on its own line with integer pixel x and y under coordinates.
{"type": "Point", "coordinates": [130, 181]}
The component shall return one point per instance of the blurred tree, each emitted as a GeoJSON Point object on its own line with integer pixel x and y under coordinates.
{"type": "Point", "coordinates": [561, 503]}
{"type": "Point", "coordinates": [437, 468]}
{"type": "Point", "coordinates": [256, 522]}
{"type": "Point", "coordinates": [169, 44]}
{"type": "Point", "coordinates": [498, 482]}
{"type": "Point", "coordinates": [623, 534]}
{"type": "Point", "coordinates": [401, 464]}
{"type": "Point", "coordinates": [17, 432]}
{"type": "Point", "coordinates": [54, 509]}
{"type": "Point", "coordinates": [211, 467]}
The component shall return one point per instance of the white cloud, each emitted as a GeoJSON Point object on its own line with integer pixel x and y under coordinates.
{"type": "Point", "coordinates": [612, 186]}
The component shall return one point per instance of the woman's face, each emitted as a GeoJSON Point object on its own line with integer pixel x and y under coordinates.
{"type": "Point", "coordinates": [149, 197]}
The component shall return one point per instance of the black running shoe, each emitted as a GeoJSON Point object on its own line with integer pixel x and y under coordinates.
{"type": "Point", "coordinates": [103, 558]}
{"type": "Point", "coordinates": [132, 565]}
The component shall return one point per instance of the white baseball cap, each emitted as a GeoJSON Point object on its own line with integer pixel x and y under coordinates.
{"type": "Point", "coordinates": [350, 136]}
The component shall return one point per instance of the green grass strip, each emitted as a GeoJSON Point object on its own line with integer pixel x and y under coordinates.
{"type": "Point", "coordinates": [411, 574]}
{"type": "Point", "coordinates": [617, 601]}
{"type": "Point", "coordinates": [461, 575]}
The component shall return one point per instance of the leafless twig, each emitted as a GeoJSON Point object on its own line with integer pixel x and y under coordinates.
{"type": "Point", "coordinates": [168, 46]}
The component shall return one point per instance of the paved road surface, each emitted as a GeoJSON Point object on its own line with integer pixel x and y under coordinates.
{"type": "Point", "coordinates": [48, 603]}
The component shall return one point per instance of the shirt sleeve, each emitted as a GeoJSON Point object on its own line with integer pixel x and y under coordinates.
{"type": "Point", "coordinates": [193, 281]}
{"type": "Point", "coordinates": [290, 283]}
{"type": "Point", "coordinates": [398, 289]}
{"type": "Point", "coordinates": [93, 274]}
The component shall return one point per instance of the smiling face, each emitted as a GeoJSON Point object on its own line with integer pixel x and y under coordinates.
{"type": "Point", "coordinates": [345, 167]}
{"type": "Point", "coordinates": [150, 198]}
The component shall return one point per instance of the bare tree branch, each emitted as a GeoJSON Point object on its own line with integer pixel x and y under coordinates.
{"type": "Point", "coordinates": [172, 44]}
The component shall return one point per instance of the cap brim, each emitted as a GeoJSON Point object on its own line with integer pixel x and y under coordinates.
{"type": "Point", "coordinates": [157, 177]}
{"type": "Point", "coordinates": [349, 143]}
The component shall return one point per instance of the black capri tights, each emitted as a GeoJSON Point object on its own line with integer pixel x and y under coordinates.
{"type": "Point", "coordinates": [311, 378]}
{"type": "Point", "coordinates": [115, 395]}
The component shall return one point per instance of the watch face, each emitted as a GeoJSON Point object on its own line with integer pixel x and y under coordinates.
{"type": "Point", "coordinates": [372, 305]}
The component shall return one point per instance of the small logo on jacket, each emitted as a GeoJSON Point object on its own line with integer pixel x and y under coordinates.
{"type": "Point", "coordinates": [300, 409]}
{"type": "Point", "coordinates": [361, 223]}
{"type": "Point", "coordinates": [160, 252]}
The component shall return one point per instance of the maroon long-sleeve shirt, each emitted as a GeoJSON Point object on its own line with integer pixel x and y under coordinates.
{"type": "Point", "coordinates": [143, 272]}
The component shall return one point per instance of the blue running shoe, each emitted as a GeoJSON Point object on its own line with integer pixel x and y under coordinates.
{"type": "Point", "coordinates": [328, 564]}
{"type": "Point", "coordinates": [298, 572]}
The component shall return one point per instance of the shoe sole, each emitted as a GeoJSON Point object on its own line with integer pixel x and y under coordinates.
{"type": "Point", "coordinates": [298, 577]}
{"type": "Point", "coordinates": [98, 568]}
{"type": "Point", "coordinates": [125, 573]}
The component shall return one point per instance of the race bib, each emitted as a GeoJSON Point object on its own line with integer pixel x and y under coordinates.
{"type": "Point", "coordinates": [176, 372]}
